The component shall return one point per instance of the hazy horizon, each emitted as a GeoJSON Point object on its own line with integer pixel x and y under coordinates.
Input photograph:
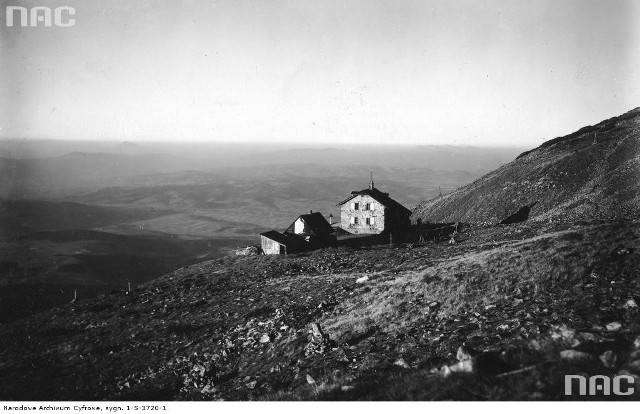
{"type": "Point", "coordinates": [291, 144]}
{"type": "Point", "coordinates": [491, 73]}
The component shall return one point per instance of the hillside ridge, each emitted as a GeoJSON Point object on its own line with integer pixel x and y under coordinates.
{"type": "Point", "coordinates": [342, 323]}
{"type": "Point", "coordinates": [593, 173]}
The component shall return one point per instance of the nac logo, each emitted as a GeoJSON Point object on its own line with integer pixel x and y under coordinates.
{"type": "Point", "coordinates": [599, 385]}
{"type": "Point", "coordinates": [41, 16]}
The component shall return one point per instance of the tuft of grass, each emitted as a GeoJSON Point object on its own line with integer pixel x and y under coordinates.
{"type": "Point", "coordinates": [555, 262]}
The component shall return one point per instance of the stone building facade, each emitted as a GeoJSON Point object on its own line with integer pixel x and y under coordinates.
{"type": "Point", "coordinates": [370, 211]}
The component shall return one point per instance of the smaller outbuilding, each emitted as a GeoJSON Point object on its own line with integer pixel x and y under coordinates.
{"type": "Point", "coordinates": [274, 242]}
{"type": "Point", "coordinates": [308, 232]}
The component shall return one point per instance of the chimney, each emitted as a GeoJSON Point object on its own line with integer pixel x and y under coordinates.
{"type": "Point", "coordinates": [310, 211]}
{"type": "Point", "coordinates": [371, 182]}
{"type": "Point", "coordinates": [330, 218]}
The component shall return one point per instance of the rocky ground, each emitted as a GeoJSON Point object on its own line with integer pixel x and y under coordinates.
{"type": "Point", "coordinates": [504, 313]}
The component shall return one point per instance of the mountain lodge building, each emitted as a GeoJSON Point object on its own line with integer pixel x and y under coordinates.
{"type": "Point", "coordinates": [370, 211]}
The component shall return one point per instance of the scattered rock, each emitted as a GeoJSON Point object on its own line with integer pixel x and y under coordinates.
{"type": "Point", "coordinates": [565, 335]}
{"type": "Point", "coordinates": [402, 363]}
{"type": "Point", "coordinates": [503, 327]}
{"type": "Point", "coordinates": [485, 363]}
{"type": "Point", "coordinates": [209, 389]}
{"type": "Point", "coordinates": [630, 304]}
{"type": "Point", "coordinates": [316, 333]}
{"type": "Point", "coordinates": [275, 368]}
{"type": "Point", "coordinates": [362, 279]}
{"type": "Point", "coordinates": [614, 326]}
{"type": "Point", "coordinates": [251, 385]}
{"type": "Point", "coordinates": [571, 356]}
{"type": "Point", "coordinates": [265, 338]}
{"type": "Point", "coordinates": [465, 353]}
{"type": "Point", "coordinates": [570, 338]}
{"type": "Point", "coordinates": [463, 367]}
{"type": "Point", "coordinates": [341, 355]}
{"type": "Point", "coordinates": [320, 341]}
{"type": "Point", "coordinates": [609, 359]}
{"type": "Point", "coordinates": [346, 388]}
{"type": "Point", "coordinates": [310, 380]}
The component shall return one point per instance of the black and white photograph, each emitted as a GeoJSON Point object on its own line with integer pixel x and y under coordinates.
{"type": "Point", "coordinates": [318, 201]}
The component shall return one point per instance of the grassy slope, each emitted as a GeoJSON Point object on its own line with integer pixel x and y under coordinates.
{"type": "Point", "coordinates": [572, 177]}
{"type": "Point", "coordinates": [195, 334]}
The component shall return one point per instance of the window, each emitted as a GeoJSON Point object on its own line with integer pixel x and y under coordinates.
{"type": "Point", "coordinates": [370, 221]}
{"type": "Point", "coordinates": [354, 220]}
{"type": "Point", "coordinates": [372, 206]}
{"type": "Point", "coordinates": [354, 206]}
{"type": "Point", "coordinates": [367, 206]}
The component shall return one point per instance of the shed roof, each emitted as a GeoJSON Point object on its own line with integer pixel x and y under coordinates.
{"type": "Point", "coordinates": [316, 222]}
{"type": "Point", "coordinates": [281, 238]}
{"type": "Point", "coordinates": [380, 197]}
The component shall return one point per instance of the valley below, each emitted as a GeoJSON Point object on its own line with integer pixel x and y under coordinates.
{"type": "Point", "coordinates": [81, 219]}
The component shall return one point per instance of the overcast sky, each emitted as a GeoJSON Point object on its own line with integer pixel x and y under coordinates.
{"type": "Point", "coordinates": [506, 72]}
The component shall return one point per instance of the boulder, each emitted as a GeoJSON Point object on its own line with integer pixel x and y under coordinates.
{"type": "Point", "coordinates": [341, 355]}
{"type": "Point", "coordinates": [316, 333]}
{"type": "Point", "coordinates": [465, 353]}
{"type": "Point", "coordinates": [614, 326]}
{"type": "Point", "coordinates": [209, 389]}
{"type": "Point", "coordinates": [609, 359]}
{"type": "Point", "coordinates": [402, 363]}
{"type": "Point", "coordinates": [485, 363]}
{"type": "Point", "coordinates": [310, 380]}
{"type": "Point", "coordinates": [571, 356]}
{"type": "Point", "coordinates": [468, 366]}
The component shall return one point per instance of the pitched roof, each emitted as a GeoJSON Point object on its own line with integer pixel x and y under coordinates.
{"type": "Point", "coordinates": [281, 238]}
{"type": "Point", "coordinates": [380, 197]}
{"type": "Point", "coordinates": [316, 223]}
